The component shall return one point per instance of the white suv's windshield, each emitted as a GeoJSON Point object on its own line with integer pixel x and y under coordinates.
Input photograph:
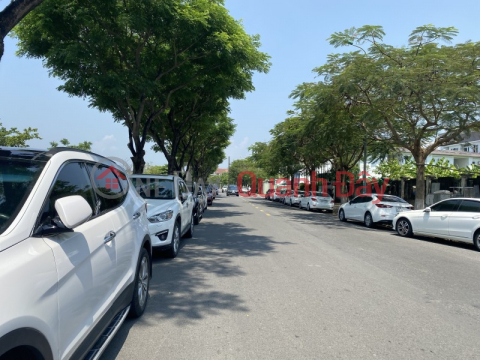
{"type": "Point", "coordinates": [17, 178]}
{"type": "Point", "coordinates": [154, 188]}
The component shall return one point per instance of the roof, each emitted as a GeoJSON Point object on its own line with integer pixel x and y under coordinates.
{"type": "Point", "coordinates": [474, 136]}
{"type": "Point", "coordinates": [449, 153]}
{"type": "Point", "coordinates": [221, 171]}
{"type": "Point", "coordinates": [159, 176]}
{"type": "Point", "coordinates": [40, 154]}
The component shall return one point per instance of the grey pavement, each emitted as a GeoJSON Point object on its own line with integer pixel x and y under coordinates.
{"type": "Point", "coordinates": [261, 280]}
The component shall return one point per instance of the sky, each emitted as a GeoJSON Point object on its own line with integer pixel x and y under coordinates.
{"type": "Point", "coordinates": [293, 33]}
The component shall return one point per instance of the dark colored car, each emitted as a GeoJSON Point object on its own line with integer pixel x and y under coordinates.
{"type": "Point", "coordinates": [269, 194]}
{"type": "Point", "coordinates": [198, 207]}
{"type": "Point", "coordinates": [232, 190]}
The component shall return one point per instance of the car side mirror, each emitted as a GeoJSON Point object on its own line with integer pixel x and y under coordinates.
{"type": "Point", "coordinates": [184, 196]}
{"type": "Point", "coordinates": [427, 210]}
{"type": "Point", "coordinates": [73, 210]}
{"type": "Point", "coordinates": [350, 202]}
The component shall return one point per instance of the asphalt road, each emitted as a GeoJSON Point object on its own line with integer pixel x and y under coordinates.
{"type": "Point", "coordinates": [260, 280]}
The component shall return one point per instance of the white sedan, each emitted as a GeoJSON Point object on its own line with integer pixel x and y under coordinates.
{"type": "Point", "coordinates": [455, 219]}
{"type": "Point", "coordinates": [317, 202]}
{"type": "Point", "coordinates": [371, 209]}
{"type": "Point", "coordinates": [295, 198]}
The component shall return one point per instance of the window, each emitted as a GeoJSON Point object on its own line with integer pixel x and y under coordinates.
{"type": "Point", "coordinates": [447, 205]}
{"type": "Point", "coordinates": [390, 198]}
{"type": "Point", "coordinates": [475, 148]}
{"type": "Point", "coordinates": [109, 187]}
{"type": "Point", "coordinates": [357, 200]}
{"type": "Point", "coordinates": [183, 186]}
{"type": "Point", "coordinates": [17, 178]}
{"type": "Point", "coordinates": [466, 149]}
{"type": "Point", "coordinates": [470, 206]}
{"type": "Point", "coordinates": [72, 180]}
{"type": "Point", "coordinates": [179, 191]}
{"type": "Point", "coordinates": [154, 188]}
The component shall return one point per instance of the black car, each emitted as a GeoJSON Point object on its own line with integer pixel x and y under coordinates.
{"type": "Point", "coordinates": [232, 190]}
{"type": "Point", "coordinates": [199, 207]}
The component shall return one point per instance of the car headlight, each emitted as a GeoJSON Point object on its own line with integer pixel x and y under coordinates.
{"type": "Point", "coordinates": [163, 216]}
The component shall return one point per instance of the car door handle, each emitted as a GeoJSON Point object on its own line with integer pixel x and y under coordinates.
{"type": "Point", "coordinates": [109, 237]}
{"type": "Point", "coordinates": [476, 217]}
{"type": "Point", "coordinates": [136, 216]}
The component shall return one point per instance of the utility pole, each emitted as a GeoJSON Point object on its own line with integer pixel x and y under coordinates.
{"type": "Point", "coordinates": [229, 170]}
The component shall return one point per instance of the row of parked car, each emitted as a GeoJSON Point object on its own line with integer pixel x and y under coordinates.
{"type": "Point", "coordinates": [454, 219]}
{"type": "Point", "coordinates": [76, 241]}
{"type": "Point", "coordinates": [302, 199]}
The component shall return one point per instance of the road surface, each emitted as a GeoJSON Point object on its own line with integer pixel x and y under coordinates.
{"type": "Point", "coordinates": [261, 280]}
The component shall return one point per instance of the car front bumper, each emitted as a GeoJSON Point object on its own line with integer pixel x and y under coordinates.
{"type": "Point", "coordinates": [161, 233]}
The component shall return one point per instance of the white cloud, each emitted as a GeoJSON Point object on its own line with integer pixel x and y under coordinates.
{"type": "Point", "coordinates": [107, 146]}
{"type": "Point", "coordinates": [237, 150]}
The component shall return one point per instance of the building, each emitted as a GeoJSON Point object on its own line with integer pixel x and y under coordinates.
{"type": "Point", "coordinates": [220, 171]}
{"type": "Point", "coordinates": [470, 143]}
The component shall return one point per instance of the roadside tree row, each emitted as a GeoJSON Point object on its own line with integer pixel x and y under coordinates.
{"type": "Point", "coordinates": [418, 97]}
{"type": "Point", "coordinates": [165, 69]}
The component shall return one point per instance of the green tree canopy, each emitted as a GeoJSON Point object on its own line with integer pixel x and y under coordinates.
{"type": "Point", "coordinates": [132, 57]}
{"type": "Point", "coordinates": [85, 145]}
{"type": "Point", "coordinates": [17, 138]}
{"type": "Point", "coordinates": [420, 96]}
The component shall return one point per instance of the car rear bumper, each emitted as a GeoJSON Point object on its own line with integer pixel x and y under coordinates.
{"type": "Point", "coordinates": [322, 206]}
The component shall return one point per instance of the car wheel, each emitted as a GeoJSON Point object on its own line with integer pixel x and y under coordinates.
{"type": "Point", "coordinates": [368, 220]}
{"type": "Point", "coordinates": [341, 215]}
{"type": "Point", "coordinates": [476, 240]}
{"type": "Point", "coordinates": [173, 251]}
{"type": "Point", "coordinates": [308, 206]}
{"type": "Point", "coordinates": [142, 284]}
{"type": "Point", "coordinates": [189, 233]}
{"type": "Point", "coordinates": [404, 228]}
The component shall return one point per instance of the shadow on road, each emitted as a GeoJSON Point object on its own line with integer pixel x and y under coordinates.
{"type": "Point", "coordinates": [181, 289]}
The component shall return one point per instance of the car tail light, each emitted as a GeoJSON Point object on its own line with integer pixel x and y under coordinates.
{"type": "Point", "coordinates": [332, 201]}
{"type": "Point", "coordinates": [314, 199]}
{"type": "Point", "coordinates": [410, 207]}
{"type": "Point", "coordinates": [383, 206]}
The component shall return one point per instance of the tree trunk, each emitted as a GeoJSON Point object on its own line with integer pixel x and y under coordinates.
{"type": "Point", "coordinates": [138, 162]}
{"type": "Point", "coordinates": [12, 15]}
{"type": "Point", "coordinates": [420, 183]}
{"type": "Point", "coordinates": [402, 191]}
{"type": "Point", "coordinates": [344, 190]}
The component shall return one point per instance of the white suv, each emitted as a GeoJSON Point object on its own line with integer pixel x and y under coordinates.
{"type": "Point", "coordinates": [75, 253]}
{"type": "Point", "coordinates": [170, 209]}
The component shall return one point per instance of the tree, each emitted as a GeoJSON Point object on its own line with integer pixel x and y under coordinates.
{"type": "Point", "coordinates": [86, 145]}
{"type": "Point", "coordinates": [206, 150]}
{"type": "Point", "coordinates": [239, 166]}
{"type": "Point", "coordinates": [421, 96]}
{"type": "Point", "coordinates": [12, 15]}
{"type": "Point", "coordinates": [331, 131]}
{"type": "Point", "coordinates": [155, 169]}
{"type": "Point", "coordinates": [15, 138]}
{"type": "Point", "coordinates": [130, 57]}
